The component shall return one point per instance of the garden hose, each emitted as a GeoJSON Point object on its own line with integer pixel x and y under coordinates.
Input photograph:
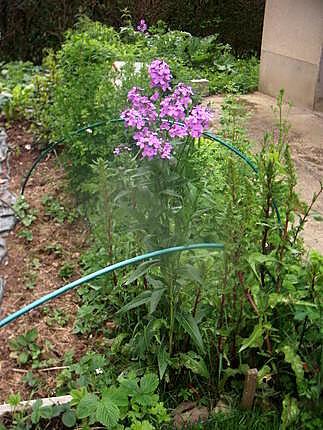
{"type": "Point", "coordinates": [206, 134]}
{"type": "Point", "coordinates": [60, 291]}
{"type": "Point", "coordinates": [58, 142]}
{"type": "Point", "coordinates": [108, 269]}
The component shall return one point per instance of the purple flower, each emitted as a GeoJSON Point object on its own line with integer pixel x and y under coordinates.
{"type": "Point", "coordinates": [182, 94]}
{"type": "Point", "coordinates": [178, 131]}
{"type": "Point", "coordinates": [173, 108]}
{"type": "Point", "coordinates": [155, 122]}
{"type": "Point", "coordinates": [142, 26]}
{"type": "Point", "coordinates": [151, 144]}
{"type": "Point", "coordinates": [142, 110]}
{"type": "Point", "coordinates": [133, 94]}
{"type": "Point", "coordinates": [198, 121]}
{"type": "Point", "coordinates": [133, 118]}
{"type": "Point", "coordinates": [160, 75]}
{"type": "Point", "coordinates": [155, 96]}
{"type": "Point", "coordinates": [166, 151]}
{"type": "Point", "coordinates": [165, 125]}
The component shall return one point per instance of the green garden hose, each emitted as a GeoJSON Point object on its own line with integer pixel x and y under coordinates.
{"type": "Point", "coordinates": [108, 269]}
{"type": "Point", "coordinates": [206, 134]}
{"type": "Point", "coordinates": [54, 294]}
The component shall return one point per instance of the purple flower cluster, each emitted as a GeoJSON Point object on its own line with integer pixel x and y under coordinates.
{"type": "Point", "coordinates": [156, 121]}
{"type": "Point", "coordinates": [142, 26]}
{"type": "Point", "coordinates": [160, 75]}
{"type": "Point", "coordinates": [142, 110]}
{"type": "Point", "coordinates": [151, 144]}
{"type": "Point", "coordinates": [198, 121]}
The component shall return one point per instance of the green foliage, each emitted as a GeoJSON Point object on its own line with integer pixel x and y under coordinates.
{"type": "Point", "coordinates": [56, 211]}
{"type": "Point", "coordinates": [199, 319]}
{"type": "Point", "coordinates": [16, 89]}
{"type": "Point", "coordinates": [25, 234]}
{"type": "Point", "coordinates": [56, 316]}
{"type": "Point", "coordinates": [132, 402]}
{"type": "Point", "coordinates": [23, 211]}
{"type": "Point", "coordinates": [238, 23]}
{"type": "Point", "coordinates": [24, 347]}
{"type": "Point", "coordinates": [82, 86]}
{"type": "Point", "coordinates": [197, 315]}
{"type": "Point", "coordinates": [67, 270]}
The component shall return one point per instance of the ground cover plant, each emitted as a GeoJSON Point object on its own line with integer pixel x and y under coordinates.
{"type": "Point", "coordinates": [186, 326]}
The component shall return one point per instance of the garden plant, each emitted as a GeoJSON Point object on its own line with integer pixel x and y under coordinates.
{"type": "Point", "coordinates": [185, 326]}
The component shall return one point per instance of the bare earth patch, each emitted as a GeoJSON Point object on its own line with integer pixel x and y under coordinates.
{"type": "Point", "coordinates": [32, 270]}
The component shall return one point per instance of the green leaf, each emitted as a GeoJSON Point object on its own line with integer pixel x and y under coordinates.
{"type": "Point", "coordinates": [156, 295]}
{"type": "Point", "coordinates": [23, 357]}
{"type": "Point", "coordinates": [141, 270]}
{"type": "Point", "coordinates": [31, 335]}
{"type": "Point", "coordinates": [87, 406]}
{"type": "Point", "coordinates": [188, 323]}
{"type": "Point", "coordinates": [149, 383]}
{"type": "Point", "coordinates": [69, 418]}
{"type": "Point", "coordinates": [296, 364]}
{"type": "Point", "coordinates": [264, 371]}
{"type": "Point", "coordinates": [317, 217]}
{"type": "Point", "coordinates": [163, 361]}
{"type": "Point", "coordinates": [46, 412]}
{"type": "Point", "coordinates": [107, 413]}
{"type": "Point", "coordinates": [130, 383]}
{"type": "Point", "coordinates": [290, 412]}
{"type": "Point", "coordinates": [195, 363]}
{"type": "Point", "coordinates": [258, 258]}
{"type": "Point", "coordinates": [144, 425]}
{"type": "Point", "coordinates": [255, 340]}
{"type": "Point", "coordinates": [140, 300]}
{"type": "Point", "coordinates": [118, 395]}
{"type": "Point", "coordinates": [35, 415]}
{"type": "Point", "coordinates": [193, 274]}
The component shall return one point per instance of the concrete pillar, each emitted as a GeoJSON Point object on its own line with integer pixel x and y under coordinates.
{"type": "Point", "coordinates": [291, 52]}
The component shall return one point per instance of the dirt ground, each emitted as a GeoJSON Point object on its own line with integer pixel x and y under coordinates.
{"type": "Point", "coordinates": [306, 141]}
{"type": "Point", "coordinates": [32, 270]}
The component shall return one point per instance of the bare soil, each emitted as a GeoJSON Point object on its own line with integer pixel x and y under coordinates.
{"type": "Point", "coordinates": [27, 259]}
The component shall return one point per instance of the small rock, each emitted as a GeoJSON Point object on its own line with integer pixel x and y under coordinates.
{"type": "Point", "coordinates": [221, 406]}
{"type": "Point", "coordinates": [201, 87]}
{"type": "Point", "coordinates": [188, 413]}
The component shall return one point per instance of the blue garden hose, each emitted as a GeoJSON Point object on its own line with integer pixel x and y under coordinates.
{"type": "Point", "coordinates": [60, 291]}
{"type": "Point", "coordinates": [12, 317]}
{"type": "Point", "coordinates": [206, 134]}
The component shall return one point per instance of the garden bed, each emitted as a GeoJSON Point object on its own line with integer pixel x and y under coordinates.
{"type": "Point", "coordinates": [32, 269]}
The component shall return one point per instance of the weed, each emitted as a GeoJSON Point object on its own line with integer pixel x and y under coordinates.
{"type": "Point", "coordinates": [25, 348]}
{"type": "Point", "coordinates": [23, 211]}
{"type": "Point", "coordinates": [54, 248]}
{"type": "Point", "coordinates": [25, 234]}
{"type": "Point", "coordinates": [56, 317]}
{"type": "Point", "coordinates": [67, 270]}
{"type": "Point", "coordinates": [56, 211]}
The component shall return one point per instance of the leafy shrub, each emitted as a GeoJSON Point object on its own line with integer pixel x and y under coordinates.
{"type": "Point", "coordinates": [82, 86]}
